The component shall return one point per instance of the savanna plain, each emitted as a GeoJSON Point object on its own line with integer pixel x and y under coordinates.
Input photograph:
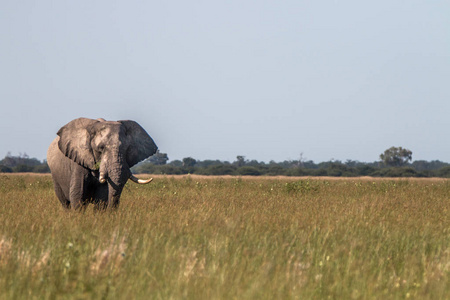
{"type": "Point", "coordinates": [229, 238]}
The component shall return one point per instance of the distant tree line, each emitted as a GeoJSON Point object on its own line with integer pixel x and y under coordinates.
{"type": "Point", "coordinates": [394, 162]}
{"type": "Point", "coordinates": [22, 163]}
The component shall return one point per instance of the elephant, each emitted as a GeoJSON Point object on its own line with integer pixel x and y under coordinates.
{"type": "Point", "coordinates": [90, 161]}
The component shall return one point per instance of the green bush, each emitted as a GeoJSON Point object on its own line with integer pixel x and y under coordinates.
{"type": "Point", "coordinates": [444, 172]}
{"type": "Point", "coordinates": [41, 169]}
{"type": "Point", "coordinates": [22, 169]}
{"type": "Point", "coordinates": [398, 172]}
{"type": "Point", "coordinates": [5, 169]}
{"type": "Point", "coordinates": [217, 170]}
{"type": "Point", "coordinates": [251, 171]}
{"type": "Point", "coordinates": [298, 172]}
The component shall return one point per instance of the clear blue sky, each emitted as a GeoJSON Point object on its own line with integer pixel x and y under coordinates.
{"type": "Point", "coordinates": [216, 79]}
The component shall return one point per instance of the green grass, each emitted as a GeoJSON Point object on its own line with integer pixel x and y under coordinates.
{"type": "Point", "coordinates": [229, 238]}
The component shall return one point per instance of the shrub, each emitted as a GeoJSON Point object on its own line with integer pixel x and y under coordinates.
{"type": "Point", "coordinates": [22, 168]}
{"type": "Point", "coordinates": [444, 172]}
{"type": "Point", "coordinates": [5, 169]}
{"type": "Point", "coordinates": [251, 171]}
{"type": "Point", "coordinates": [398, 172]}
{"type": "Point", "coordinates": [41, 169]}
{"type": "Point", "coordinates": [218, 170]}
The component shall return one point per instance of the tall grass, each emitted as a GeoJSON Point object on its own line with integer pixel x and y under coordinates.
{"type": "Point", "coordinates": [229, 238]}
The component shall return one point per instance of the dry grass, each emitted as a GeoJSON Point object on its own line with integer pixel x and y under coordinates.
{"type": "Point", "coordinates": [230, 238]}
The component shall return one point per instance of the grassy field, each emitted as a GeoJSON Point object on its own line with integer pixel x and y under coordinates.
{"type": "Point", "coordinates": [230, 238]}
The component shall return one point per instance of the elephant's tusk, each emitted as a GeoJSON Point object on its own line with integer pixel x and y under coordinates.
{"type": "Point", "coordinates": [102, 178]}
{"type": "Point", "coordinates": [140, 181]}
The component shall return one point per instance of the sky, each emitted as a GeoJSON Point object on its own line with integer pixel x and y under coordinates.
{"type": "Point", "coordinates": [268, 80]}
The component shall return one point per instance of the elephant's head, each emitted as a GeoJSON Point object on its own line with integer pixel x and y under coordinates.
{"type": "Point", "coordinates": [111, 148]}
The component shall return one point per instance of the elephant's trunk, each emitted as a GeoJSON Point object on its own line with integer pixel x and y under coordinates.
{"type": "Point", "coordinates": [112, 166]}
{"type": "Point", "coordinates": [117, 177]}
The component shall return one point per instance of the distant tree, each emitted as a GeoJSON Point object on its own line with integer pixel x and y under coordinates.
{"type": "Point", "coordinates": [309, 165]}
{"type": "Point", "coordinates": [444, 172]}
{"type": "Point", "coordinates": [224, 169]}
{"type": "Point", "coordinates": [22, 163]}
{"type": "Point", "coordinates": [397, 172]}
{"type": "Point", "coordinates": [422, 165]}
{"type": "Point", "coordinates": [189, 162]}
{"type": "Point", "coordinates": [5, 169]}
{"type": "Point", "coordinates": [301, 161]}
{"type": "Point", "coordinates": [176, 163]}
{"type": "Point", "coordinates": [351, 163]}
{"type": "Point", "coordinates": [247, 170]}
{"type": "Point", "coordinates": [364, 170]}
{"type": "Point", "coordinates": [275, 170]}
{"type": "Point", "coordinates": [158, 158]}
{"type": "Point", "coordinates": [240, 161]}
{"type": "Point", "coordinates": [23, 159]}
{"type": "Point", "coordinates": [207, 163]}
{"type": "Point", "coordinates": [339, 169]}
{"type": "Point", "coordinates": [396, 156]}
{"type": "Point", "coordinates": [22, 168]}
{"type": "Point", "coordinates": [41, 168]}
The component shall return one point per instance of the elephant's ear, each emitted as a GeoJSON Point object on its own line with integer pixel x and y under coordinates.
{"type": "Point", "coordinates": [141, 144]}
{"type": "Point", "coordinates": [75, 141]}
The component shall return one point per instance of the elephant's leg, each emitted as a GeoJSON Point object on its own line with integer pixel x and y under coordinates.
{"type": "Point", "coordinates": [61, 196]}
{"type": "Point", "coordinates": [114, 195]}
{"type": "Point", "coordinates": [78, 194]}
{"type": "Point", "coordinates": [114, 203]}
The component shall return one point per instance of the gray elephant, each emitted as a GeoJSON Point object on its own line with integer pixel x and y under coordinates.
{"type": "Point", "coordinates": [90, 161]}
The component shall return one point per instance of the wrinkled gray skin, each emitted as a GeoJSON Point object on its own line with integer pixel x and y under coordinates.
{"type": "Point", "coordinates": [88, 152]}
